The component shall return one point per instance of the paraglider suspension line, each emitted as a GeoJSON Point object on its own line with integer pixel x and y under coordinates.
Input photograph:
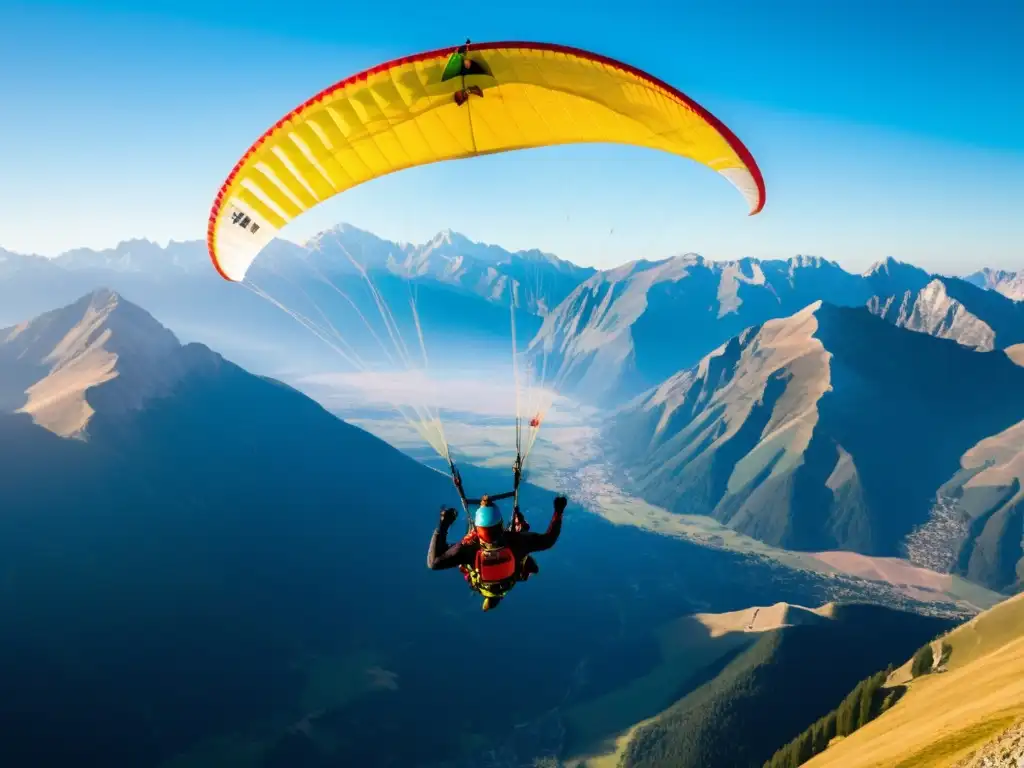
{"type": "Point", "coordinates": [517, 473]}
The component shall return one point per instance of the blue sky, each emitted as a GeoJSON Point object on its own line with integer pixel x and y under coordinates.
{"type": "Point", "coordinates": [882, 128]}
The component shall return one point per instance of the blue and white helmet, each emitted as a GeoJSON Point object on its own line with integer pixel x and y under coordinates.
{"type": "Point", "coordinates": [487, 516]}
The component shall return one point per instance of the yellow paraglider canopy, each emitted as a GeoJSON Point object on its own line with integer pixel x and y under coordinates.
{"type": "Point", "coordinates": [456, 103]}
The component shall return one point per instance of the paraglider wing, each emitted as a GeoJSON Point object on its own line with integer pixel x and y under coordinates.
{"type": "Point", "coordinates": [425, 109]}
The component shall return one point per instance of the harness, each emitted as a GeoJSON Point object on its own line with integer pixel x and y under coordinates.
{"type": "Point", "coordinates": [495, 569]}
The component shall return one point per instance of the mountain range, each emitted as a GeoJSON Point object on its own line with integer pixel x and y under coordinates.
{"type": "Point", "coordinates": [835, 430]}
{"type": "Point", "coordinates": [1010, 284]}
{"type": "Point", "coordinates": [644, 330]}
{"type": "Point", "coordinates": [625, 330]}
{"type": "Point", "coordinates": [169, 517]}
{"type": "Point", "coordinates": [602, 336]}
{"type": "Point", "coordinates": [461, 289]}
{"type": "Point", "coordinates": [540, 280]}
{"type": "Point", "coordinates": [202, 566]}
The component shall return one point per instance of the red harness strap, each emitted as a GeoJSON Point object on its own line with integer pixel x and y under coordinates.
{"type": "Point", "coordinates": [469, 538]}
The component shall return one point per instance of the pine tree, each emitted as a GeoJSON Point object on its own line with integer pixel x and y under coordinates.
{"type": "Point", "coordinates": [818, 738]}
{"type": "Point", "coordinates": [922, 663]}
{"type": "Point", "coordinates": [944, 653]}
{"type": "Point", "coordinates": [830, 727]}
{"type": "Point", "coordinates": [843, 718]}
{"type": "Point", "coordinates": [867, 702]}
{"type": "Point", "coordinates": [785, 757]}
{"type": "Point", "coordinates": [805, 749]}
{"type": "Point", "coordinates": [849, 711]}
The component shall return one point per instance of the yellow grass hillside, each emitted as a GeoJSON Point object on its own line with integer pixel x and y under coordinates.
{"type": "Point", "coordinates": [763, 619]}
{"type": "Point", "coordinates": [946, 717]}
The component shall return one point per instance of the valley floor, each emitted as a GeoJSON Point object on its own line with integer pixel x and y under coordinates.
{"type": "Point", "coordinates": [567, 459]}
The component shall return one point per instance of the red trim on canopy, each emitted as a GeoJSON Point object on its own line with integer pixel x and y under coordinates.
{"type": "Point", "coordinates": [733, 141]}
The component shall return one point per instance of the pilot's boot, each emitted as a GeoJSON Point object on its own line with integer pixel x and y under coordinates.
{"type": "Point", "coordinates": [490, 603]}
